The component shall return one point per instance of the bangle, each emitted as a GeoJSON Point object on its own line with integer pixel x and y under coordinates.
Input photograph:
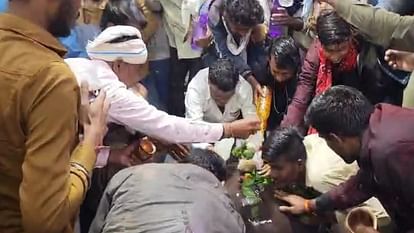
{"type": "Point", "coordinates": [231, 131]}
{"type": "Point", "coordinates": [82, 170]}
{"type": "Point", "coordinates": [307, 206]}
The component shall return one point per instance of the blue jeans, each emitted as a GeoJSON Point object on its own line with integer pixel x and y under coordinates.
{"type": "Point", "coordinates": [157, 83]}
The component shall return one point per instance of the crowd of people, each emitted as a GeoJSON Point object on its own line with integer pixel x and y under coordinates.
{"type": "Point", "coordinates": [121, 115]}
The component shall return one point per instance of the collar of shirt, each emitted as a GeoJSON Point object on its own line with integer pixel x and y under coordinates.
{"type": "Point", "coordinates": [10, 22]}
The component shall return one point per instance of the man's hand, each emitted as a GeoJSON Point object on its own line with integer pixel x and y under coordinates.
{"type": "Point", "coordinates": [179, 151]}
{"type": "Point", "coordinates": [259, 33]}
{"type": "Point", "coordinates": [205, 41]}
{"type": "Point", "coordinates": [297, 203]}
{"type": "Point", "coordinates": [282, 18]}
{"type": "Point", "coordinates": [257, 88]}
{"type": "Point", "coordinates": [266, 170]}
{"type": "Point", "coordinates": [400, 60]}
{"type": "Point", "coordinates": [242, 128]}
{"type": "Point", "coordinates": [93, 116]}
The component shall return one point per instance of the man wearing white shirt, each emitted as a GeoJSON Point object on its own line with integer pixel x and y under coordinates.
{"type": "Point", "coordinates": [218, 94]}
{"type": "Point", "coordinates": [308, 163]}
{"type": "Point", "coordinates": [117, 55]}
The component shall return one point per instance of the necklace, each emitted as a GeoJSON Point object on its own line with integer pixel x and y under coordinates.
{"type": "Point", "coordinates": [274, 100]}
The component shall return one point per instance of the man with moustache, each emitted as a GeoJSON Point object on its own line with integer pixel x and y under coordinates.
{"type": "Point", "coordinates": [43, 179]}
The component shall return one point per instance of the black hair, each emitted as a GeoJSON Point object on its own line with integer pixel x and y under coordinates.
{"type": "Point", "coordinates": [284, 142]}
{"type": "Point", "coordinates": [122, 12]}
{"type": "Point", "coordinates": [223, 74]}
{"type": "Point", "coordinates": [286, 53]}
{"type": "Point", "coordinates": [341, 110]}
{"type": "Point", "coordinates": [332, 29]}
{"type": "Point", "coordinates": [247, 13]}
{"type": "Point", "coordinates": [208, 160]}
{"type": "Point", "coordinates": [123, 39]}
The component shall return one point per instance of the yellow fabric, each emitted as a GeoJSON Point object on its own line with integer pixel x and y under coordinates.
{"type": "Point", "coordinates": [408, 100]}
{"type": "Point", "coordinates": [39, 101]}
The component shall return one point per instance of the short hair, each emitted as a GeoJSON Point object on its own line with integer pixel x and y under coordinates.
{"type": "Point", "coordinates": [332, 29]}
{"type": "Point", "coordinates": [208, 160]}
{"type": "Point", "coordinates": [223, 74]}
{"type": "Point", "coordinates": [286, 52]}
{"type": "Point", "coordinates": [121, 12]}
{"type": "Point", "coordinates": [248, 13]}
{"type": "Point", "coordinates": [284, 142]}
{"type": "Point", "coordinates": [341, 110]}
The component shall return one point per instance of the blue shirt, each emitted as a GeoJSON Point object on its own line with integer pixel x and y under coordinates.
{"type": "Point", "coordinates": [4, 5]}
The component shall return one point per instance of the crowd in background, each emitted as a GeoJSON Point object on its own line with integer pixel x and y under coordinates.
{"type": "Point", "coordinates": [120, 115]}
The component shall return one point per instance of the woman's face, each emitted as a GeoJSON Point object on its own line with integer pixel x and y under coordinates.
{"type": "Point", "coordinates": [336, 52]}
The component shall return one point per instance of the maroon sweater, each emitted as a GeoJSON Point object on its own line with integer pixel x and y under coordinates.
{"type": "Point", "coordinates": [386, 168]}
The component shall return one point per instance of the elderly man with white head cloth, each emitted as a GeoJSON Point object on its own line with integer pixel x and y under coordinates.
{"type": "Point", "coordinates": [117, 58]}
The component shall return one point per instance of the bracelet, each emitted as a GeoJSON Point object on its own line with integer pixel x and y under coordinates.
{"type": "Point", "coordinates": [231, 131]}
{"type": "Point", "coordinates": [83, 170]}
{"type": "Point", "coordinates": [307, 206]}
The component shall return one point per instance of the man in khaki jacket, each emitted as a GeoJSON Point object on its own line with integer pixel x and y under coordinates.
{"type": "Point", "coordinates": [43, 178]}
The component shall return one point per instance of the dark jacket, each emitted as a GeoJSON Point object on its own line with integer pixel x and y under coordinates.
{"type": "Point", "coordinates": [368, 78]}
{"type": "Point", "coordinates": [386, 168]}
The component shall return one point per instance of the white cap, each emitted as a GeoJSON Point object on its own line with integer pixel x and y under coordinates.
{"type": "Point", "coordinates": [131, 51]}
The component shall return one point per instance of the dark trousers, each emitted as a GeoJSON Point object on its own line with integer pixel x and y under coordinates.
{"type": "Point", "coordinates": [177, 82]}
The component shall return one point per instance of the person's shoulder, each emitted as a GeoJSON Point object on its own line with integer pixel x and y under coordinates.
{"type": "Point", "coordinates": [200, 80]}
{"type": "Point", "coordinates": [244, 87]}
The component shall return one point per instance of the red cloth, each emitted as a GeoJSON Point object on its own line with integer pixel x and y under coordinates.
{"type": "Point", "coordinates": [324, 77]}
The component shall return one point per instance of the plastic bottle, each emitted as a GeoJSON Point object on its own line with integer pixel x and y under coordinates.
{"type": "Point", "coordinates": [200, 25]}
{"type": "Point", "coordinates": [274, 29]}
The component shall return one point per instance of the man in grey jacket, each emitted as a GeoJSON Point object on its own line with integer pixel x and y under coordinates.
{"type": "Point", "coordinates": [169, 198]}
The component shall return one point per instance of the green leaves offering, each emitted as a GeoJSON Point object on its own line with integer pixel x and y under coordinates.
{"type": "Point", "coordinates": [243, 152]}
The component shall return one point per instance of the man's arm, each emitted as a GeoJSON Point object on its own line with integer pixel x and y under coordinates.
{"type": "Point", "coordinates": [51, 191]}
{"type": "Point", "coordinates": [247, 104]}
{"type": "Point", "coordinates": [379, 26]}
{"type": "Point", "coordinates": [352, 192]}
{"type": "Point", "coordinates": [134, 112]}
{"type": "Point", "coordinates": [305, 88]}
{"type": "Point", "coordinates": [153, 22]}
{"type": "Point", "coordinates": [194, 99]}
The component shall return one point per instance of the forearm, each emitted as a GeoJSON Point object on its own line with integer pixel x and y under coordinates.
{"type": "Point", "coordinates": [377, 25]}
{"type": "Point", "coordinates": [135, 113]}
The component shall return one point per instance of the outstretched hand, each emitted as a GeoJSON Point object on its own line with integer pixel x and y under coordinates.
{"type": "Point", "coordinates": [400, 60]}
{"type": "Point", "coordinates": [297, 203]}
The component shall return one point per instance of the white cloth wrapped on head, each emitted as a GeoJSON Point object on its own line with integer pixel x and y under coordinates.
{"type": "Point", "coordinates": [131, 51]}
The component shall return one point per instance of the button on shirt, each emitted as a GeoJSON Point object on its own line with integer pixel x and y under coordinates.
{"type": "Point", "coordinates": [135, 113]}
{"type": "Point", "coordinates": [200, 106]}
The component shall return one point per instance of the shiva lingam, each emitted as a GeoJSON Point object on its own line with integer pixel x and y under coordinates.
{"type": "Point", "coordinates": [263, 105]}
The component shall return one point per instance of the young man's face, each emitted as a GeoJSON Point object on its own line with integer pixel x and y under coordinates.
{"type": "Point", "coordinates": [278, 74]}
{"type": "Point", "coordinates": [237, 29]}
{"type": "Point", "coordinates": [347, 148]}
{"type": "Point", "coordinates": [63, 17]}
{"type": "Point", "coordinates": [220, 97]}
{"type": "Point", "coordinates": [285, 173]}
{"type": "Point", "coordinates": [335, 53]}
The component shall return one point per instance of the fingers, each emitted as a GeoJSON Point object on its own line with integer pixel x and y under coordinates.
{"type": "Point", "coordinates": [286, 209]}
{"type": "Point", "coordinates": [84, 107]}
{"type": "Point", "coordinates": [266, 170]}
